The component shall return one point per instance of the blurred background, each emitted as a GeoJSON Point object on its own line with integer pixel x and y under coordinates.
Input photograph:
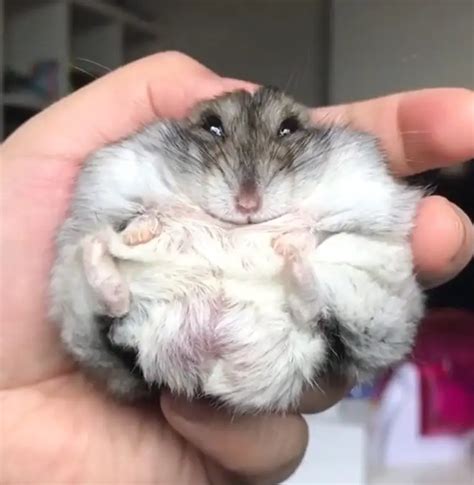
{"type": "Point", "coordinates": [415, 425]}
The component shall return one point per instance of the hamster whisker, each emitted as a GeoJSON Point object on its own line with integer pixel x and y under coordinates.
{"type": "Point", "coordinates": [94, 75]}
{"type": "Point", "coordinates": [95, 63]}
{"type": "Point", "coordinates": [331, 349]}
{"type": "Point", "coordinates": [80, 69]}
{"type": "Point", "coordinates": [314, 383]}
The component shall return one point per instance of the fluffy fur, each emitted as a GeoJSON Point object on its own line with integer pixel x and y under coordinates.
{"type": "Point", "coordinates": [250, 309]}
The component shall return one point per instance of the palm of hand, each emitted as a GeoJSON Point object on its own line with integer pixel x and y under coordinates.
{"type": "Point", "coordinates": [85, 438]}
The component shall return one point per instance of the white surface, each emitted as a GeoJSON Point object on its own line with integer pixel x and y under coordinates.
{"type": "Point", "coordinates": [338, 454]}
{"type": "Point", "coordinates": [336, 451]}
{"type": "Point", "coordinates": [24, 100]}
{"type": "Point", "coordinates": [455, 474]}
{"type": "Point", "coordinates": [396, 439]}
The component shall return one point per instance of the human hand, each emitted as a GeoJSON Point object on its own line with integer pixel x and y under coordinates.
{"type": "Point", "coordinates": [70, 432]}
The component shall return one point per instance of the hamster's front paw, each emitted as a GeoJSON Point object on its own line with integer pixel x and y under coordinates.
{"type": "Point", "coordinates": [104, 278]}
{"type": "Point", "coordinates": [142, 229]}
{"type": "Point", "coordinates": [292, 245]}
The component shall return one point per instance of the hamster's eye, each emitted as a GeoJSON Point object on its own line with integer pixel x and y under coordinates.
{"type": "Point", "coordinates": [288, 126]}
{"type": "Point", "coordinates": [213, 124]}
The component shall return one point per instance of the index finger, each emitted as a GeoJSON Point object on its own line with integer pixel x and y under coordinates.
{"type": "Point", "coordinates": [420, 130]}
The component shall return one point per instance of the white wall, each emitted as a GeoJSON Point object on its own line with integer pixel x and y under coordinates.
{"type": "Point", "coordinates": [271, 42]}
{"type": "Point", "coordinates": [382, 46]}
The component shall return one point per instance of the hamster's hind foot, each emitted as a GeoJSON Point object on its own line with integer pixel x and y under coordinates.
{"type": "Point", "coordinates": [142, 229]}
{"type": "Point", "coordinates": [104, 278]}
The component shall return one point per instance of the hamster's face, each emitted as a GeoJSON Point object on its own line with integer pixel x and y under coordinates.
{"type": "Point", "coordinates": [248, 158]}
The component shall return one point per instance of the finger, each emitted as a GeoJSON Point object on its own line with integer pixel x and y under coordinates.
{"type": "Point", "coordinates": [420, 130]}
{"type": "Point", "coordinates": [443, 241]}
{"type": "Point", "coordinates": [162, 85]}
{"type": "Point", "coordinates": [328, 393]}
{"type": "Point", "coordinates": [261, 449]}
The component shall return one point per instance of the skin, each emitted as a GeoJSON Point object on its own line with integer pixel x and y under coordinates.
{"type": "Point", "coordinates": [55, 427]}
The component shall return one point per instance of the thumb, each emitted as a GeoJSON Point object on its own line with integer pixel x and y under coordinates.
{"type": "Point", "coordinates": [259, 449]}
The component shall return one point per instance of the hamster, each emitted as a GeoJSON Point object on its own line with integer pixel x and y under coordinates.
{"type": "Point", "coordinates": [242, 254]}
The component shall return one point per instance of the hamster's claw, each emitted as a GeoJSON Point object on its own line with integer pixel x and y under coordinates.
{"type": "Point", "coordinates": [292, 245]}
{"type": "Point", "coordinates": [141, 230]}
{"type": "Point", "coordinates": [301, 273]}
{"type": "Point", "coordinates": [104, 277]}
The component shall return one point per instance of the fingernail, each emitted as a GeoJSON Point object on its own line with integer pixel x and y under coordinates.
{"type": "Point", "coordinates": [461, 229]}
{"type": "Point", "coordinates": [463, 250]}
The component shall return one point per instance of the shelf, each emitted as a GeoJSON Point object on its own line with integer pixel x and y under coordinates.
{"type": "Point", "coordinates": [83, 38]}
{"type": "Point", "coordinates": [97, 8]}
{"type": "Point", "coordinates": [113, 12]}
{"type": "Point", "coordinates": [18, 6]}
{"type": "Point", "coordinates": [24, 101]}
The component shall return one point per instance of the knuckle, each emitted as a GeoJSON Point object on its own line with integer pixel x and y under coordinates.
{"type": "Point", "coordinates": [177, 57]}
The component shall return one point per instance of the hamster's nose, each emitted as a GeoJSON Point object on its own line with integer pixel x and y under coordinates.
{"type": "Point", "coordinates": [248, 200]}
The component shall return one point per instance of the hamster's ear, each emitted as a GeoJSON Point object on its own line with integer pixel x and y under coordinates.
{"type": "Point", "coordinates": [218, 103]}
{"type": "Point", "coordinates": [268, 92]}
{"type": "Point", "coordinates": [204, 107]}
{"type": "Point", "coordinates": [196, 111]}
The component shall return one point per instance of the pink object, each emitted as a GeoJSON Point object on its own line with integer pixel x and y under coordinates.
{"type": "Point", "coordinates": [444, 357]}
